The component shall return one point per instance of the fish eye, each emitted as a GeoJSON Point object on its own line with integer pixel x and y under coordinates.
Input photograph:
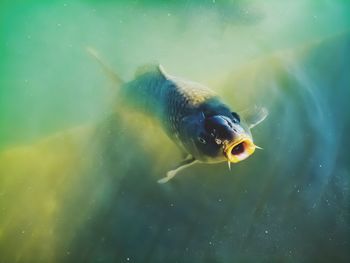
{"type": "Point", "coordinates": [236, 118]}
{"type": "Point", "coordinates": [201, 140]}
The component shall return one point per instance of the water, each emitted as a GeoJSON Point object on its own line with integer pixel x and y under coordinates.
{"type": "Point", "coordinates": [78, 181]}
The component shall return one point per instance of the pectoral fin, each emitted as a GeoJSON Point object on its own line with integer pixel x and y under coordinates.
{"type": "Point", "coordinates": [254, 116]}
{"type": "Point", "coordinates": [190, 160]}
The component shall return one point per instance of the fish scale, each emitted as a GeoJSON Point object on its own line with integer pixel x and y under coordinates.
{"type": "Point", "coordinates": [164, 97]}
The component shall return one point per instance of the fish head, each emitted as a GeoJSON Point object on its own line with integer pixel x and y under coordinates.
{"type": "Point", "coordinates": [231, 135]}
{"type": "Point", "coordinates": [219, 137]}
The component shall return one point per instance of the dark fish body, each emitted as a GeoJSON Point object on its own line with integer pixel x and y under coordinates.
{"type": "Point", "coordinates": [170, 100]}
{"type": "Point", "coordinates": [166, 98]}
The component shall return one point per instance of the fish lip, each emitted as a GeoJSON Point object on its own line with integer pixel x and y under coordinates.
{"type": "Point", "coordinates": [249, 148]}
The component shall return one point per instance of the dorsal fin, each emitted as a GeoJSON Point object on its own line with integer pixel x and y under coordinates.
{"type": "Point", "coordinates": [149, 68]}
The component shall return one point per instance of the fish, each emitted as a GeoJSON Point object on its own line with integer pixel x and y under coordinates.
{"type": "Point", "coordinates": [195, 118]}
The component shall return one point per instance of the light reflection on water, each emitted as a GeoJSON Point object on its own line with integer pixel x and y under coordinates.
{"type": "Point", "coordinates": [89, 193]}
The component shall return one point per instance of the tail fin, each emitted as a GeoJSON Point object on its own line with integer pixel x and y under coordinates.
{"type": "Point", "coordinates": [106, 69]}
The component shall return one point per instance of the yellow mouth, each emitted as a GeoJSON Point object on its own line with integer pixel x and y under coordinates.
{"type": "Point", "coordinates": [239, 150]}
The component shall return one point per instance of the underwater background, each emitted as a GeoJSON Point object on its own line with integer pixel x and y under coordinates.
{"type": "Point", "coordinates": [78, 178]}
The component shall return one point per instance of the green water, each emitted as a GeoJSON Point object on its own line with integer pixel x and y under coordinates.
{"type": "Point", "coordinates": [78, 180]}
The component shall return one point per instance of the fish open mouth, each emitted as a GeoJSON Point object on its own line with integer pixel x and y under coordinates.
{"type": "Point", "coordinates": [239, 150]}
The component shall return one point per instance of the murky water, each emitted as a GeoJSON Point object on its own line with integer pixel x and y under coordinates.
{"type": "Point", "coordinates": [78, 180]}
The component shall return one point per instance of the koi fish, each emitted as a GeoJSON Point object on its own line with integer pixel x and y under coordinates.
{"type": "Point", "coordinates": [194, 117]}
